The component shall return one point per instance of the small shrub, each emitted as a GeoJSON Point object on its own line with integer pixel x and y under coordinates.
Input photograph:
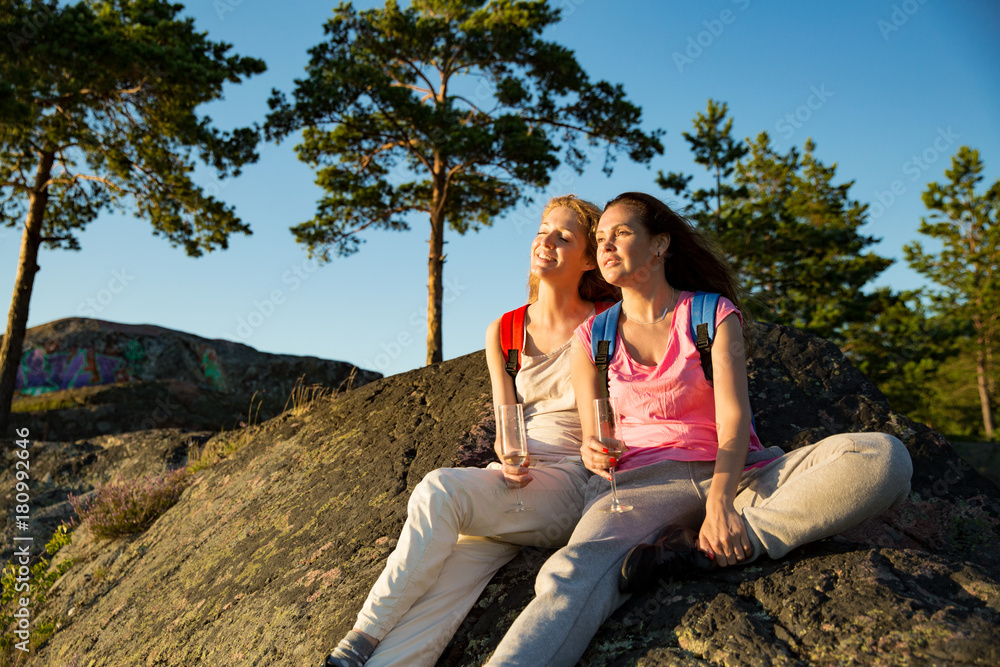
{"type": "Point", "coordinates": [40, 580]}
{"type": "Point", "coordinates": [130, 506]}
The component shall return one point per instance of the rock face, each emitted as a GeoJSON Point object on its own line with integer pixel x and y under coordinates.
{"type": "Point", "coordinates": [268, 556]}
{"type": "Point", "coordinates": [80, 377]}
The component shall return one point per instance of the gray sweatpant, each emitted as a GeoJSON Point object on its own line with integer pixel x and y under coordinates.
{"type": "Point", "coordinates": [806, 495]}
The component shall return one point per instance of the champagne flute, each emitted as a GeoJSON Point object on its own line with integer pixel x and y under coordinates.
{"type": "Point", "coordinates": [513, 444]}
{"type": "Point", "coordinates": [607, 423]}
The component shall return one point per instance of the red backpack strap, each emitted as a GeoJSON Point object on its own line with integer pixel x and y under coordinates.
{"type": "Point", "coordinates": [512, 339]}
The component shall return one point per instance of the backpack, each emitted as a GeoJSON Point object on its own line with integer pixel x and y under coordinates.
{"type": "Point", "coordinates": [512, 335]}
{"type": "Point", "coordinates": [604, 335]}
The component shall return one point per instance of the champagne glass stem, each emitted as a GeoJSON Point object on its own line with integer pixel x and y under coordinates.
{"type": "Point", "coordinates": [614, 488]}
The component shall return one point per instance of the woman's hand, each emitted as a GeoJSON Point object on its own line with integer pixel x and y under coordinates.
{"type": "Point", "coordinates": [724, 534]}
{"type": "Point", "coordinates": [597, 458]}
{"type": "Point", "coordinates": [516, 476]}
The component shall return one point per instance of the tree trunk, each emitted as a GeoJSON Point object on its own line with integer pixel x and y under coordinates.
{"type": "Point", "coordinates": [984, 393]}
{"type": "Point", "coordinates": [435, 267]}
{"type": "Point", "coordinates": [435, 290]}
{"type": "Point", "coordinates": [27, 267]}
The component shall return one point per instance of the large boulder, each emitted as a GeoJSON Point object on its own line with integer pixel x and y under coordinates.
{"type": "Point", "coordinates": [81, 377]}
{"type": "Point", "coordinates": [268, 556]}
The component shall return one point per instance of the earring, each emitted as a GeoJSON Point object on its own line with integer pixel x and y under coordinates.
{"type": "Point", "coordinates": [657, 253]}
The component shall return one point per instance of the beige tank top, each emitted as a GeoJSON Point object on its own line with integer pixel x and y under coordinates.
{"type": "Point", "coordinates": [551, 422]}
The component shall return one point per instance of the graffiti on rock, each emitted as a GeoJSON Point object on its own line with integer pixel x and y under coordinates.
{"type": "Point", "coordinates": [212, 369]}
{"type": "Point", "coordinates": [41, 372]}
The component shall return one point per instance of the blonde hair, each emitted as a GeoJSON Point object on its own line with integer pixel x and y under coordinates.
{"type": "Point", "coordinates": [592, 286]}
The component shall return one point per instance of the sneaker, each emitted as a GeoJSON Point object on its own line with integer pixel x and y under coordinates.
{"type": "Point", "coordinates": [352, 651]}
{"type": "Point", "coordinates": [673, 555]}
{"type": "Point", "coordinates": [334, 660]}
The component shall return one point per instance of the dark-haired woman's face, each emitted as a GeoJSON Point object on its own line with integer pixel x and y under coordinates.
{"type": "Point", "coordinates": [625, 250]}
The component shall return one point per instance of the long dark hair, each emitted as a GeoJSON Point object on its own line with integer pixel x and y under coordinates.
{"type": "Point", "coordinates": [694, 261]}
{"type": "Point", "coordinates": [593, 286]}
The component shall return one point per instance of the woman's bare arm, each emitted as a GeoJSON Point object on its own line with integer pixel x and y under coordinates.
{"type": "Point", "coordinates": [503, 394]}
{"type": "Point", "coordinates": [723, 532]}
{"type": "Point", "coordinates": [585, 379]}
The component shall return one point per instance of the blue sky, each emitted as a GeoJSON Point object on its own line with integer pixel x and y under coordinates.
{"type": "Point", "coordinates": [887, 90]}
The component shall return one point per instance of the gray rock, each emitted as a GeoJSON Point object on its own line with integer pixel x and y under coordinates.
{"type": "Point", "coordinates": [268, 555]}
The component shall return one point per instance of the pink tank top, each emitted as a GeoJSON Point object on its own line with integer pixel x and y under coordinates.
{"type": "Point", "coordinates": [668, 410]}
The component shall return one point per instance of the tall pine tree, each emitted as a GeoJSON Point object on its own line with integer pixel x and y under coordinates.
{"type": "Point", "coordinates": [102, 115]}
{"type": "Point", "coordinates": [967, 268]}
{"type": "Point", "coordinates": [465, 97]}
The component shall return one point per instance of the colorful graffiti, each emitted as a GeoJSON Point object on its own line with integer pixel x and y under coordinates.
{"type": "Point", "coordinates": [212, 369]}
{"type": "Point", "coordinates": [42, 372]}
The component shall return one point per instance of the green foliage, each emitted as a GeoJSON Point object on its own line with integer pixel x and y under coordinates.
{"type": "Point", "coordinates": [967, 268]}
{"type": "Point", "coordinates": [97, 111]}
{"type": "Point", "coordinates": [952, 399]}
{"type": "Point", "coordinates": [107, 92]}
{"type": "Point", "coordinates": [901, 348]}
{"type": "Point", "coordinates": [449, 109]}
{"type": "Point", "coordinates": [792, 233]}
{"type": "Point", "coordinates": [39, 581]}
{"type": "Point", "coordinates": [715, 149]}
{"type": "Point", "coordinates": [128, 507]}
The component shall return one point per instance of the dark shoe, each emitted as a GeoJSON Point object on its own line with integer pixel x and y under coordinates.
{"type": "Point", "coordinates": [333, 660]}
{"type": "Point", "coordinates": [352, 651]}
{"type": "Point", "coordinates": [672, 555]}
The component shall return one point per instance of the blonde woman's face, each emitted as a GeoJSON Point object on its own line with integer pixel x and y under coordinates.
{"type": "Point", "coordinates": [560, 247]}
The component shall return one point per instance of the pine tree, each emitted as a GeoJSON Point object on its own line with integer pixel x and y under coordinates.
{"type": "Point", "coordinates": [967, 268]}
{"type": "Point", "coordinates": [99, 115]}
{"type": "Point", "coordinates": [901, 347]}
{"type": "Point", "coordinates": [790, 231]}
{"type": "Point", "coordinates": [461, 95]}
{"type": "Point", "coordinates": [715, 149]}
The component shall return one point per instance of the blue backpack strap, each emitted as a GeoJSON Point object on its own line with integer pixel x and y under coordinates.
{"type": "Point", "coordinates": [603, 336]}
{"type": "Point", "coordinates": [703, 305]}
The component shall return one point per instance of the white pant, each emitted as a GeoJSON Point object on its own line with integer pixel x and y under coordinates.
{"type": "Point", "coordinates": [456, 536]}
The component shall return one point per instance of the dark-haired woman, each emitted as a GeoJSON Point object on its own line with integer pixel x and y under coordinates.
{"type": "Point", "coordinates": [458, 531]}
{"type": "Point", "coordinates": [693, 458]}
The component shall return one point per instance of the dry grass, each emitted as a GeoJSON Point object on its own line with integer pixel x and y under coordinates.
{"type": "Point", "coordinates": [299, 401]}
{"type": "Point", "coordinates": [226, 442]}
{"type": "Point", "coordinates": [303, 396]}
